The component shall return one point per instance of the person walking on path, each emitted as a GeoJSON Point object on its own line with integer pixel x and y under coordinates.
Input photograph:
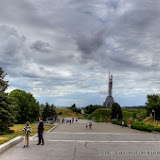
{"type": "Point", "coordinates": [40, 131]}
{"type": "Point", "coordinates": [129, 124]}
{"type": "Point", "coordinates": [90, 124]}
{"type": "Point", "coordinates": [122, 124]}
{"type": "Point", "coordinates": [27, 129]}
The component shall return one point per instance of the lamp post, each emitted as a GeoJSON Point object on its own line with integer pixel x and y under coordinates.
{"type": "Point", "coordinates": [154, 115]}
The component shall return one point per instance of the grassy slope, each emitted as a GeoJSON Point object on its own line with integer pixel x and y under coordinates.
{"type": "Point", "coordinates": [67, 112]}
{"type": "Point", "coordinates": [18, 131]}
{"type": "Point", "coordinates": [102, 112]}
{"type": "Point", "coordinates": [132, 114]}
{"type": "Point", "coordinates": [150, 120]}
{"type": "Point", "coordinates": [128, 114]}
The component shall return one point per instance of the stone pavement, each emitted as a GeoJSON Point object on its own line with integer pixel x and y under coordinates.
{"type": "Point", "coordinates": [75, 142]}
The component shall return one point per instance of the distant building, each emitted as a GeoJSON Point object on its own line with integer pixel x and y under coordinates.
{"type": "Point", "coordinates": [109, 100]}
{"type": "Point", "coordinates": [51, 120]}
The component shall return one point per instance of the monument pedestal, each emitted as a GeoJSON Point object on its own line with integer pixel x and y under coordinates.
{"type": "Point", "coordinates": [109, 101]}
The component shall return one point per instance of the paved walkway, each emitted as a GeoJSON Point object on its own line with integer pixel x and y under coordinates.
{"type": "Point", "coordinates": [75, 142]}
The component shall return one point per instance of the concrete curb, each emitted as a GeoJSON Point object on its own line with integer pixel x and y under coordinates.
{"type": "Point", "coordinates": [54, 127]}
{"type": "Point", "coordinates": [10, 143]}
{"type": "Point", "coordinates": [154, 132]}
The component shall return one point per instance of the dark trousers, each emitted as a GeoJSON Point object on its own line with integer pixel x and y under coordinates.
{"type": "Point", "coordinates": [40, 136]}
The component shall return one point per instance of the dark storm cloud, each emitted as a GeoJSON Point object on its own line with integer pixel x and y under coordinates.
{"type": "Point", "coordinates": [89, 44]}
{"type": "Point", "coordinates": [40, 46]}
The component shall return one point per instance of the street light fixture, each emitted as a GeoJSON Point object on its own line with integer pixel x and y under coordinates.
{"type": "Point", "coordinates": [154, 115]}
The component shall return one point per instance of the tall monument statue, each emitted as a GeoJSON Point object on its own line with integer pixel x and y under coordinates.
{"type": "Point", "coordinates": [109, 100]}
{"type": "Point", "coordinates": [110, 86]}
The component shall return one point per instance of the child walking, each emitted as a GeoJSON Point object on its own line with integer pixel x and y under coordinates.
{"type": "Point", "coordinates": [27, 129]}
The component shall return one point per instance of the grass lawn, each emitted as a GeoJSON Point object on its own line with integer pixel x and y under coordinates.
{"type": "Point", "coordinates": [18, 132]}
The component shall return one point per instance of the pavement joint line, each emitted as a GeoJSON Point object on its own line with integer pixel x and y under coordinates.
{"type": "Point", "coordinates": [86, 141]}
{"type": "Point", "coordinates": [98, 133]}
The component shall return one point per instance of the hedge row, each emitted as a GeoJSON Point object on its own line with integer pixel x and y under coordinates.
{"type": "Point", "coordinates": [139, 126]}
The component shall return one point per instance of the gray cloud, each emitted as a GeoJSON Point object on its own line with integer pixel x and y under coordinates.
{"type": "Point", "coordinates": [67, 48]}
{"type": "Point", "coordinates": [40, 46]}
{"type": "Point", "coordinates": [89, 45]}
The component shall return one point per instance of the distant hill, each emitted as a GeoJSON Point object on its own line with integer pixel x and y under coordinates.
{"type": "Point", "coordinates": [100, 114]}
{"type": "Point", "coordinates": [65, 112]}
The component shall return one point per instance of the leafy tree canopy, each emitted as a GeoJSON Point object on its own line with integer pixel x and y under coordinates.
{"type": "Point", "coordinates": [116, 110]}
{"type": "Point", "coordinates": [91, 108]}
{"type": "Point", "coordinates": [75, 109]}
{"type": "Point", "coordinates": [27, 108]}
{"type": "Point", "coordinates": [153, 104]}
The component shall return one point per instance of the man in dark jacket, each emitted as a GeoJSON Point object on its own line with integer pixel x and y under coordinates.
{"type": "Point", "coordinates": [40, 131]}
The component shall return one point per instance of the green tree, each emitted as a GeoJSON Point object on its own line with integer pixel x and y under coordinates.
{"type": "Point", "coordinates": [75, 109]}
{"type": "Point", "coordinates": [116, 110]}
{"type": "Point", "coordinates": [153, 103]}
{"type": "Point", "coordinates": [91, 108]}
{"type": "Point", "coordinates": [27, 108]}
{"type": "Point", "coordinates": [6, 106]}
{"type": "Point", "coordinates": [49, 111]}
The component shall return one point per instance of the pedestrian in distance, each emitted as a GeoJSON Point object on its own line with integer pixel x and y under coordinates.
{"type": "Point", "coordinates": [129, 124]}
{"type": "Point", "coordinates": [72, 120]}
{"type": "Point", "coordinates": [40, 131]}
{"type": "Point", "coordinates": [27, 129]}
{"type": "Point", "coordinates": [122, 124]}
{"type": "Point", "coordinates": [90, 125]}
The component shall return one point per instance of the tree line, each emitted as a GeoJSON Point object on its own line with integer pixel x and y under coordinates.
{"type": "Point", "coordinates": [19, 106]}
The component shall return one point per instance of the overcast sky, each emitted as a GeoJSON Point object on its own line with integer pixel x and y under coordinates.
{"type": "Point", "coordinates": [62, 50]}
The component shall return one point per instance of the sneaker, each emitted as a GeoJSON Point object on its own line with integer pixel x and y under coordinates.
{"type": "Point", "coordinates": [24, 146]}
{"type": "Point", "coordinates": [42, 143]}
{"type": "Point", "coordinates": [38, 143]}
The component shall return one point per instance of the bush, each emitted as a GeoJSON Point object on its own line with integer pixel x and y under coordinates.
{"type": "Point", "coordinates": [142, 126]}
{"type": "Point", "coordinates": [157, 129]}
{"type": "Point", "coordinates": [120, 123]}
{"type": "Point", "coordinates": [60, 113]}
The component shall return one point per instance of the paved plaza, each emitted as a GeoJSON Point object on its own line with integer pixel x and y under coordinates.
{"type": "Point", "coordinates": [103, 141]}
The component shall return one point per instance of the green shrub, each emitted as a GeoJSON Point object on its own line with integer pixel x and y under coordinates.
{"type": "Point", "coordinates": [120, 123]}
{"type": "Point", "coordinates": [60, 113]}
{"type": "Point", "coordinates": [142, 126]}
{"type": "Point", "coordinates": [157, 129]}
